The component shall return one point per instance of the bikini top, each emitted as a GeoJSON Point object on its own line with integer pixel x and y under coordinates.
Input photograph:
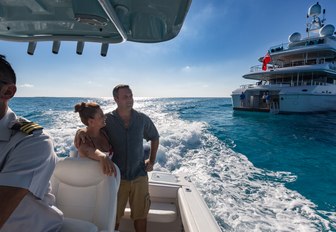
{"type": "Point", "coordinates": [110, 151]}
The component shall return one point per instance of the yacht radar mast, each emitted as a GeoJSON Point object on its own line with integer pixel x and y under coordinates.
{"type": "Point", "coordinates": [316, 24]}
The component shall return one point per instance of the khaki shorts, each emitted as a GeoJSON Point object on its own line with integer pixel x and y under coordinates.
{"type": "Point", "coordinates": [136, 192]}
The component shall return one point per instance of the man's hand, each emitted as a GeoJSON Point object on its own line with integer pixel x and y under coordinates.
{"type": "Point", "coordinates": [149, 165]}
{"type": "Point", "coordinates": [80, 137]}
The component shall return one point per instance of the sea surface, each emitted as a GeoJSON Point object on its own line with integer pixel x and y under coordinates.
{"type": "Point", "coordinates": [256, 171]}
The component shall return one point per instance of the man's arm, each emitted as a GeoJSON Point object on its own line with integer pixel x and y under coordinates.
{"type": "Point", "coordinates": [11, 198]}
{"type": "Point", "coordinates": [152, 157]}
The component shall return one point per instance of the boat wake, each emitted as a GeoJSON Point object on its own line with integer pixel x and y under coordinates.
{"type": "Point", "coordinates": [240, 196]}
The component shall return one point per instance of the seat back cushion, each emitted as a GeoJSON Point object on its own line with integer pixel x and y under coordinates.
{"type": "Point", "coordinates": [83, 192]}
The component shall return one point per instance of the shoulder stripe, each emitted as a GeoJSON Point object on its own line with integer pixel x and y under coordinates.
{"type": "Point", "coordinates": [29, 127]}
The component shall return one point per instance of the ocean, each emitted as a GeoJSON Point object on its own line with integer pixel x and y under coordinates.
{"type": "Point", "coordinates": [256, 171]}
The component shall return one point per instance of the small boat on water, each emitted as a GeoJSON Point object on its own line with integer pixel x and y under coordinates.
{"type": "Point", "coordinates": [294, 77]}
{"type": "Point", "coordinates": [88, 199]}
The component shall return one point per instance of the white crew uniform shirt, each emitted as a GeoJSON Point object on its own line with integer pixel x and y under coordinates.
{"type": "Point", "coordinates": [28, 161]}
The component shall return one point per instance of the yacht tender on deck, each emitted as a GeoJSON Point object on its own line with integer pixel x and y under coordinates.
{"type": "Point", "coordinates": [299, 76]}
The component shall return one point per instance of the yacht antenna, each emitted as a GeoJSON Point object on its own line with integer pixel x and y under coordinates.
{"type": "Point", "coordinates": [314, 26]}
{"type": "Point", "coordinates": [324, 19]}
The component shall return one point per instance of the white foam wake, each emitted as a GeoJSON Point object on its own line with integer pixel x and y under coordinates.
{"type": "Point", "coordinates": [241, 196]}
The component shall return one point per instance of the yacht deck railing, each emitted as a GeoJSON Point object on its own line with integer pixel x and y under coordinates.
{"type": "Point", "coordinates": [247, 86]}
{"type": "Point", "coordinates": [300, 44]}
{"type": "Point", "coordinates": [270, 67]}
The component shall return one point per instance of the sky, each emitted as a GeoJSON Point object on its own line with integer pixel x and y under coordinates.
{"type": "Point", "coordinates": [218, 43]}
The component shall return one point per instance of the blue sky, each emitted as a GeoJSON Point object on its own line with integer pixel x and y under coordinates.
{"type": "Point", "coordinates": [219, 42]}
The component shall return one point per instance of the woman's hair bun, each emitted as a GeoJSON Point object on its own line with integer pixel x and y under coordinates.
{"type": "Point", "coordinates": [79, 107]}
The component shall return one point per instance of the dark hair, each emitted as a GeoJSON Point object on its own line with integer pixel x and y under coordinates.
{"type": "Point", "coordinates": [86, 111]}
{"type": "Point", "coordinates": [7, 73]}
{"type": "Point", "coordinates": [116, 89]}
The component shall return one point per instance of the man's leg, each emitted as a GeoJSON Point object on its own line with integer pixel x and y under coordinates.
{"type": "Point", "coordinates": [122, 199]}
{"type": "Point", "coordinates": [140, 202]}
{"type": "Point", "coordinates": [140, 225]}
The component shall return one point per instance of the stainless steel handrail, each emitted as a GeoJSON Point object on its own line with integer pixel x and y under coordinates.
{"type": "Point", "coordinates": [108, 8]}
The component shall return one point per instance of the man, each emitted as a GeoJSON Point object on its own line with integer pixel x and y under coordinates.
{"type": "Point", "coordinates": [242, 99]}
{"type": "Point", "coordinates": [27, 161]}
{"type": "Point", "coordinates": [126, 129]}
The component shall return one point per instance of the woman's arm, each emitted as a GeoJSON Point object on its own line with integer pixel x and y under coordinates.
{"type": "Point", "coordinates": [107, 165]}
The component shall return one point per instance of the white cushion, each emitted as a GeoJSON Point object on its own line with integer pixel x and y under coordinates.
{"type": "Point", "coordinates": [76, 225]}
{"type": "Point", "coordinates": [83, 192]}
{"type": "Point", "coordinates": [158, 212]}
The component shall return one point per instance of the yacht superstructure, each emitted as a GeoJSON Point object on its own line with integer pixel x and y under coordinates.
{"type": "Point", "coordinates": [296, 77]}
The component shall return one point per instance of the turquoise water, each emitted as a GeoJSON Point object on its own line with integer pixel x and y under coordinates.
{"type": "Point", "coordinates": [304, 145]}
{"type": "Point", "coordinates": [256, 171]}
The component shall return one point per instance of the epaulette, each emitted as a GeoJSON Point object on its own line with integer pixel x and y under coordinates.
{"type": "Point", "coordinates": [25, 126]}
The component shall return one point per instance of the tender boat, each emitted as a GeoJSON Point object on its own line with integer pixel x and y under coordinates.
{"type": "Point", "coordinates": [88, 200]}
{"type": "Point", "coordinates": [87, 197]}
{"type": "Point", "coordinates": [298, 76]}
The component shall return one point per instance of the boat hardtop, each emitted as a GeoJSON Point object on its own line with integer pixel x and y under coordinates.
{"type": "Point", "coordinates": [102, 21]}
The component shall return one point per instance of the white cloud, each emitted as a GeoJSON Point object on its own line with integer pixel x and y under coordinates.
{"type": "Point", "coordinates": [186, 69]}
{"type": "Point", "coordinates": [26, 86]}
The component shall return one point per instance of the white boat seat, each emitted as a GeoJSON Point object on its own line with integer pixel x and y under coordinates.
{"type": "Point", "coordinates": [85, 195]}
{"type": "Point", "coordinates": [159, 212]}
{"type": "Point", "coordinates": [76, 225]}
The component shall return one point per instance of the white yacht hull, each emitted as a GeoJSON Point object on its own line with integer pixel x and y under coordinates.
{"type": "Point", "coordinates": [297, 99]}
{"type": "Point", "coordinates": [299, 103]}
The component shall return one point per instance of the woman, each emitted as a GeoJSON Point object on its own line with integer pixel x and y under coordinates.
{"type": "Point", "coordinates": [98, 147]}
